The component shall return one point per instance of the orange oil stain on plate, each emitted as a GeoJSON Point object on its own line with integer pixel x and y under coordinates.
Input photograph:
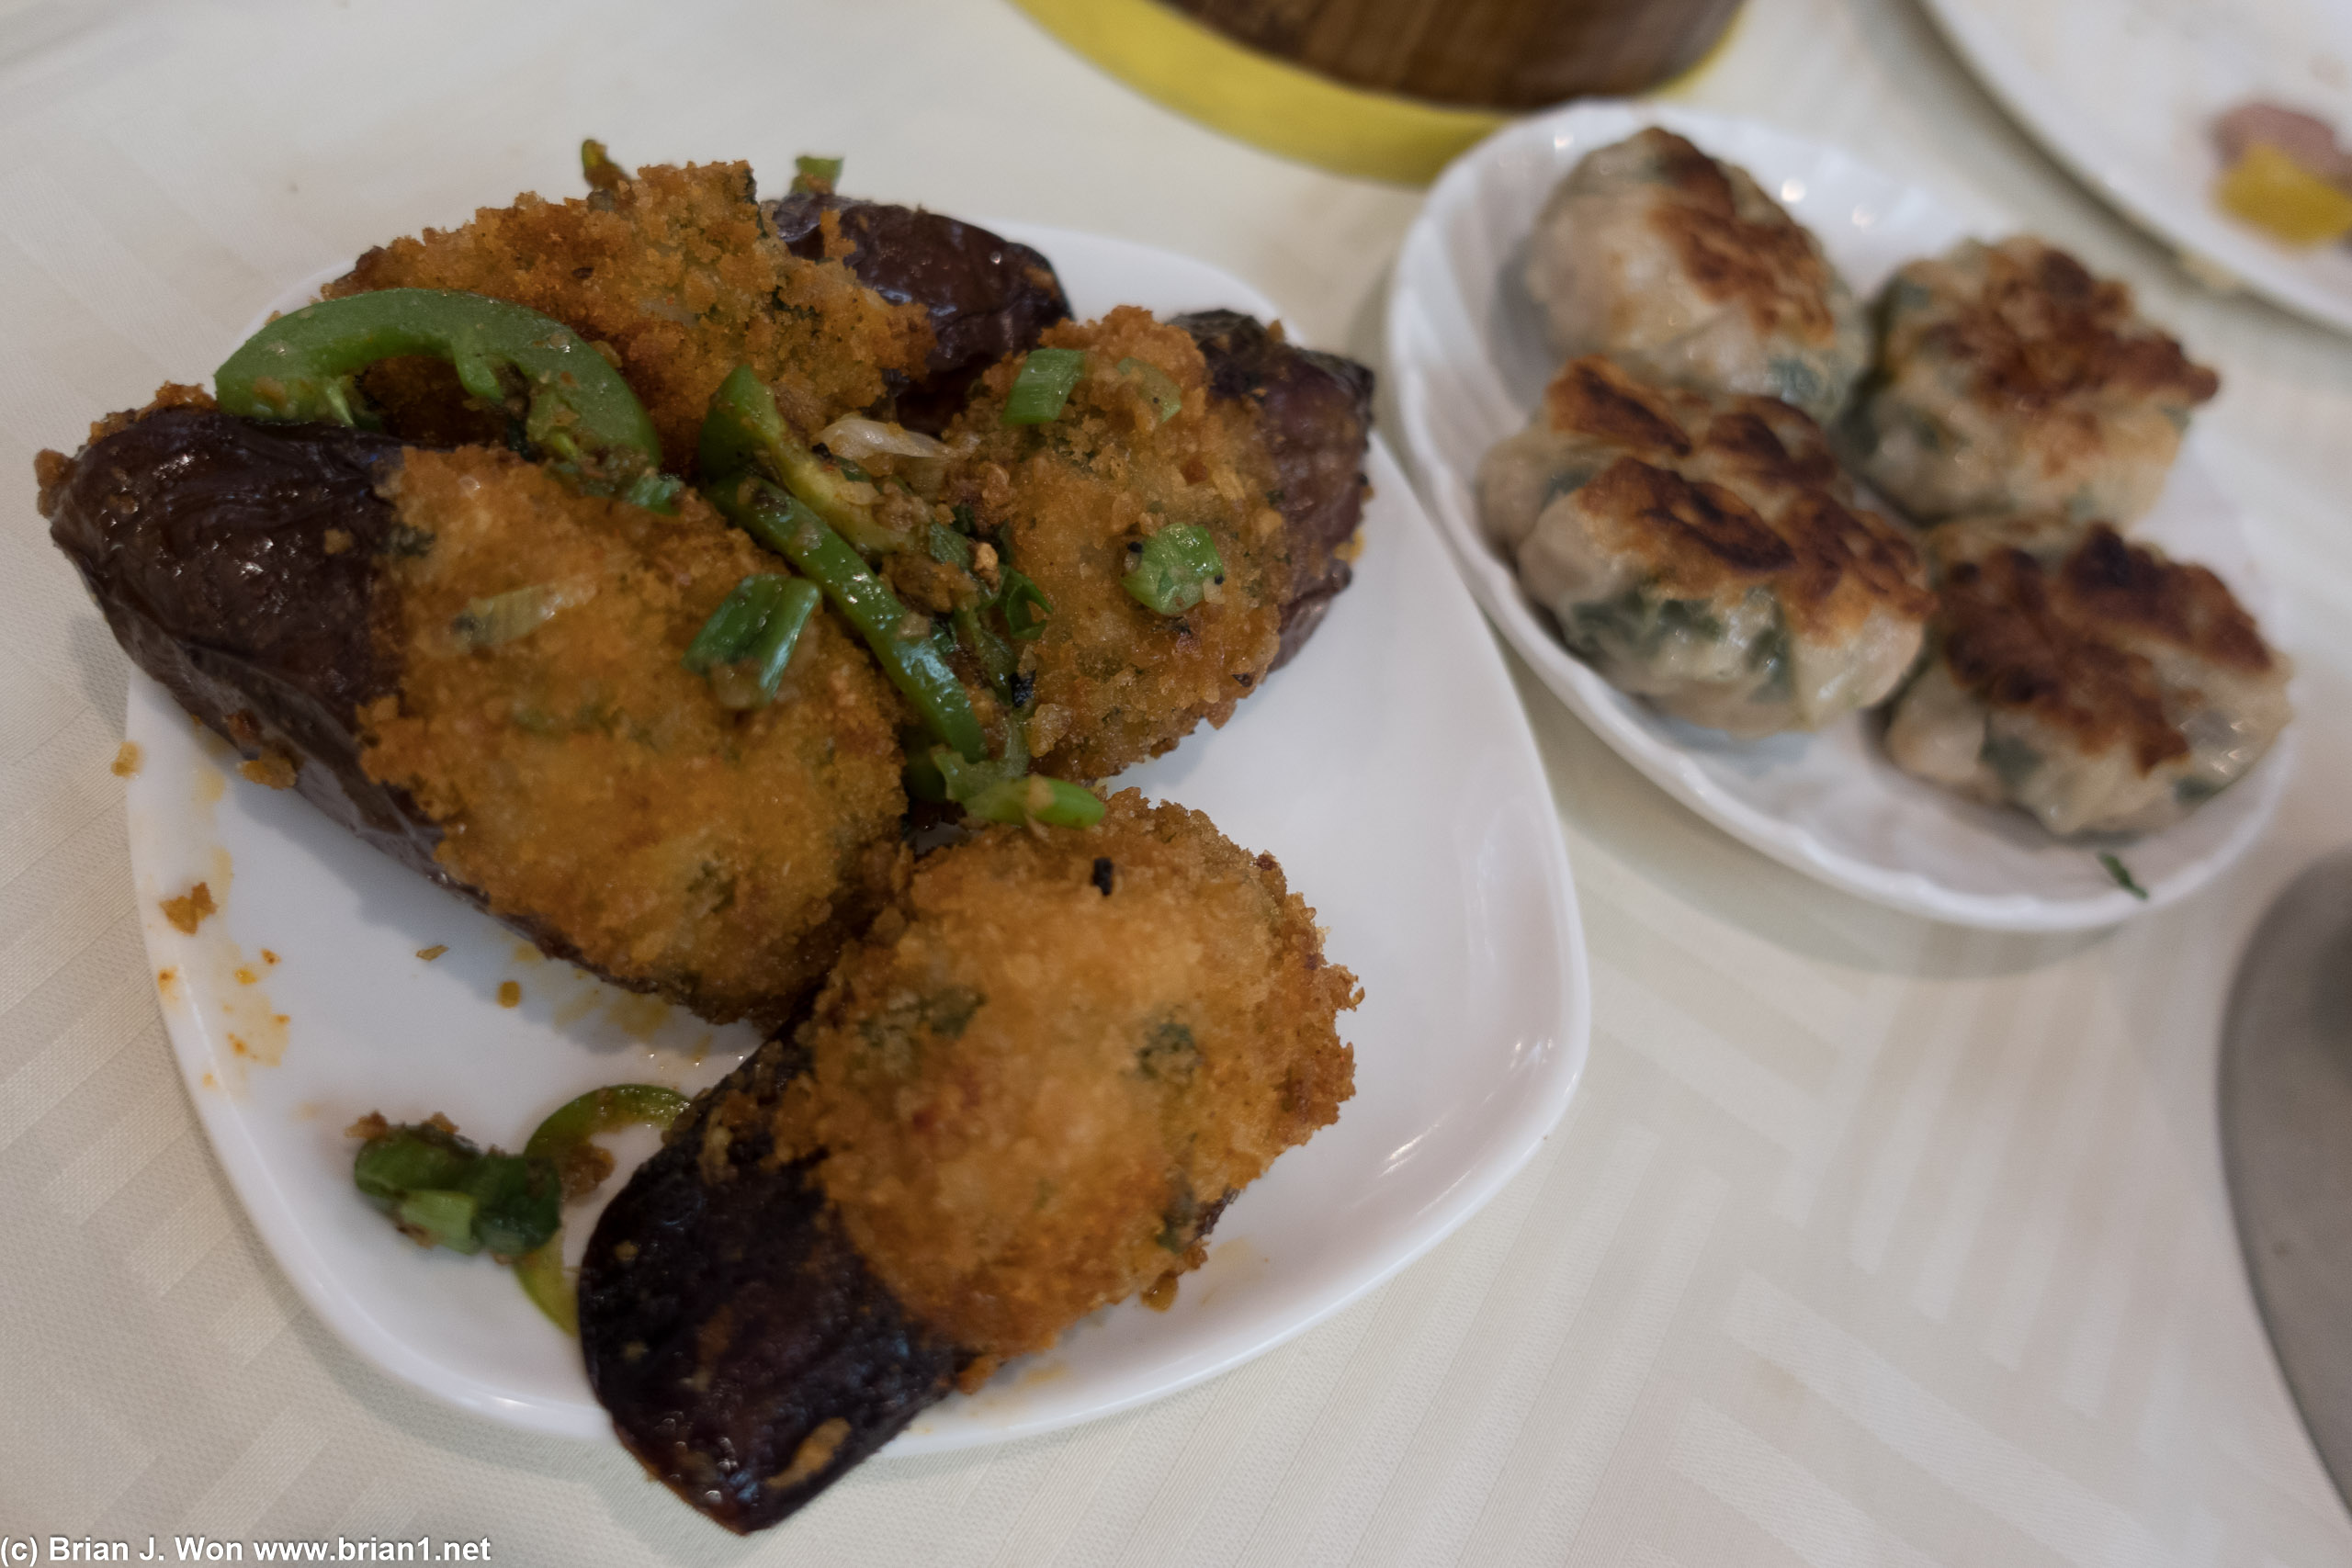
{"type": "Point", "coordinates": [640, 1016]}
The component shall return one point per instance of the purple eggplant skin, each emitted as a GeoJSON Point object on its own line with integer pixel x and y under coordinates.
{"type": "Point", "coordinates": [988, 297]}
{"type": "Point", "coordinates": [234, 562]}
{"type": "Point", "coordinates": [747, 1355]}
{"type": "Point", "coordinates": [1315, 413]}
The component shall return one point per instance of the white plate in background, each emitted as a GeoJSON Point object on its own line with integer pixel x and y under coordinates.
{"type": "Point", "coordinates": [1467, 353]}
{"type": "Point", "coordinates": [2125, 93]}
{"type": "Point", "coordinates": [1460, 920]}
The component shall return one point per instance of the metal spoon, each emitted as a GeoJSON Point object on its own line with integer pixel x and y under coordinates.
{"type": "Point", "coordinates": [2286, 1103]}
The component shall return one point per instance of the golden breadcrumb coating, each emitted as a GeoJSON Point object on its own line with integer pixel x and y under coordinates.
{"type": "Point", "coordinates": [674, 271]}
{"type": "Point", "coordinates": [2010, 378]}
{"type": "Point", "coordinates": [1117, 683]}
{"type": "Point", "coordinates": [1048, 1066]}
{"type": "Point", "coordinates": [593, 787]}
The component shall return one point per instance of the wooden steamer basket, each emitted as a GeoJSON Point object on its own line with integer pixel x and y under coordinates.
{"type": "Point", "coordinates": [1495, 54]}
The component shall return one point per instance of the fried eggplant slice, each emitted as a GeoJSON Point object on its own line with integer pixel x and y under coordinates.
{"type": "Point", "coordinates": [1314, 416]}
{"type": "Point", "coordinates": [478, 669]}
{"type": "Point", "coordinates": [674, 271]}
{"type": "Point", "coordinates": [1150, 440]}
{"type": "Point", "coordinates": [1027, 1093]}
{"type": "Point", "coordinates": [986, 297]}
{"type": "Point", "coordinates": [748, 1354]}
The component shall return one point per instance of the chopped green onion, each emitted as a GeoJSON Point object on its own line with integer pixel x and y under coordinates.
{"type": "Point", "coordinates": [2122, 876]}
{"type": "Point", "coordinates": [655, 492]}
{"type": "Point", "coordinates": [1157, 385]}
{"type": "Point", "coordinates": [439, 1219]}
{"type": "Point", "coordinates": [1037, 799]}
{"type": "Point", "coordinates": [596, 166]}
{"type": "Point", "coordinates": [816, 176]}
{"type": "Point", "coordinates": [517, 1202]}
{"type": "Point", "coordinates": [500, 618]}
{"type": "Point", "coordinates": [1025, 606]}
{"type": "Point", "coordinates": [770, 650]}
{"type": "Point", "coordinates": [1044, 385]}
{"type": "Point", "coordinates": [987, 649]}
{"type": "Point", "coordinates": [1175, 569]}
{"type": "Point", "coordinates": [728, 635]}
{"type": "Point", "coordinates": [950, 548]}
{"type": "Point", "coordinates": [401, 1160]}
{"type": "Point", "coordinates": [784, 524]}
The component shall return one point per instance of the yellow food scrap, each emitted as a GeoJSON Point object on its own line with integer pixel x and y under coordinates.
{"type": "Point", "coordinates": [435, 950]}
{"type": "Point", "coordinates": [125, 759]}
{"type": "Point", "coordinates": [2270, 190]}
{"type": "Point", "coordinates": [272, 769]}
{"type": "Point", "coordinates": [510, 995]}
{"type": "Point", "coordinates": [188, 911]}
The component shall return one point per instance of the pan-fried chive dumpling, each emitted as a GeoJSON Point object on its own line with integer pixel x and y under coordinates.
{"type": "Point", "coordinates": [2087, 681]}
{"type": "Point", "coordinates": [2010, 379]}
{"type": "Point", "coordinates": [1679, 267]}
{"type": "Point", "coordinates": [1704, 552]}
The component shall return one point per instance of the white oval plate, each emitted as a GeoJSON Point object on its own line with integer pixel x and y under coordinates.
{"type": "Point", "coordinates": [2125, 94]}
{"type": "Point", "coordinates": [1461, 922]}
{"type": "Point", "coordinates": [1466, 352]}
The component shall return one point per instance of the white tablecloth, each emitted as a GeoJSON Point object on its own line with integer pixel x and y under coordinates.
{"type": "Point", "coordinates": [1867, 1240]}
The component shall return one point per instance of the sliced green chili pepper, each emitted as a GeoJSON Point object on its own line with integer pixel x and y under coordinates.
{"type": "Point", "coordinates": [606, 1110]}
{"type": "Point", "coordinates": [1037, 799]}
{"type": "Point", "coordinates": [1025, 605]}
{"type": "Point", "coordinates": [560, 1143]}
{"type": "Point", "coordinates": [1043, 385]}
{"type": "Point", "coordinates": [819, 175]}
{"type": "Point", "coordinates": [577, 408]}
{"type": "Point", "coordinates": [900, 639]}
{"type": "Point", "coordinates": [746, 433]}
{"type": "Point", "coordinates": [1174, 569]}
{"type": "Point", "coordinates": [1157, 385]}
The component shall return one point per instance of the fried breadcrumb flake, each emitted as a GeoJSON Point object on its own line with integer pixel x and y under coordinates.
{"type": "Point", "coordinates": [1040, 1081]}
{"type": "Point", "coordinates": [594, 790]}
{"type": "Point", "coordinates": [674, 272]}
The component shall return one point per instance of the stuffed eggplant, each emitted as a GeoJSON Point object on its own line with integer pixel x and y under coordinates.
{"type": "Point", "coordinates": [1027, 1093]}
